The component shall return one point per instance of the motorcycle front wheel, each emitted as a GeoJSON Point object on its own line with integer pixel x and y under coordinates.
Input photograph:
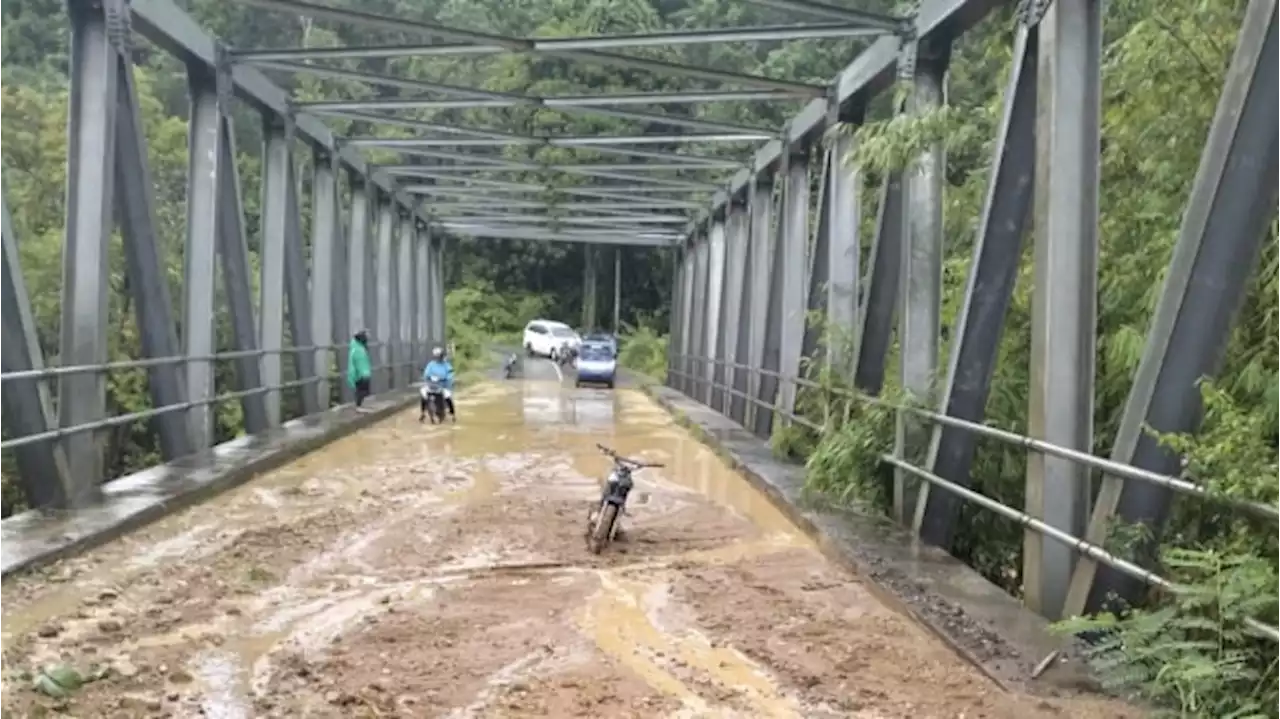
{"type": "Point", "coordinates": [604, 528]}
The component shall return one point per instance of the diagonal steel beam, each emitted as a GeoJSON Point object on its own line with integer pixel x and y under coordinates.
{"type": "Point", "coordinates": [27, 406]}
{"type": "Point", "coordinates": [764, 33]}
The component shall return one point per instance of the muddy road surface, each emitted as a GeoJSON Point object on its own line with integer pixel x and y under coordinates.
{"type": "Point", "coordinates": [441, 571]}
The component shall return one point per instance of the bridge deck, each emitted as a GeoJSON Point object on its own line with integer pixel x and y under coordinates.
{"type": "Point", "coordinates": [422, 571]}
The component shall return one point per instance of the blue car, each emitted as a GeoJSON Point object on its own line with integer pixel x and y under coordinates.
{"type": "Point", "coordinates": [597, 364]}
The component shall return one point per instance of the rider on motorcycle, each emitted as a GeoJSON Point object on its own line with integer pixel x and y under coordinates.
{"type": "Point", "coordinates": [439, 371]}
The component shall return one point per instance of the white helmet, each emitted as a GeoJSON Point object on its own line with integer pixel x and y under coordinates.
{"type": "Point", "coordinates": [436, 353]}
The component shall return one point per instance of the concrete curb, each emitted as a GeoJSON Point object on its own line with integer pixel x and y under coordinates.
{"type": "Point", "coordinates": [36, 538]}
{"type": "Point", "coordinates": [988, 628]}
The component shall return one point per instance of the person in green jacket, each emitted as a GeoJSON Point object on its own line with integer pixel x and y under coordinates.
{"type": "Point", "coordinates": [359, 369]}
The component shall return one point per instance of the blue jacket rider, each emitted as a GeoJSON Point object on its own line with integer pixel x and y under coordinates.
{"type": "Point", "coordinates": [438, 370]}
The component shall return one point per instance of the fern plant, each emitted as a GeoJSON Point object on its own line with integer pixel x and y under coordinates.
{"type": "Point", "coordinates": [1192, 655]}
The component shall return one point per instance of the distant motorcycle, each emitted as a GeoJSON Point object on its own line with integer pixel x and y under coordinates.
{"type": "Point", "coordinates": [509, 367]}
{"type": "Point", "coordinates": [565, 355]}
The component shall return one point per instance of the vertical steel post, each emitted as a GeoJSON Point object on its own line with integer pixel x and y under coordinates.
{"type": "Point", "coordinates": [714, 334]}
{"type": "Point", "coordinates": [791, 265]}
{"type": "Point", "coordinates": [731, 305]}
{"type": "Point", "coordinates": [675, 346]}
{"type": "Point", "coordinates": [438, 291]}
{"type": "Point", "coordinates": [741, 318]}
{"type": "Point", "coordinates": [417, 356]}
{"type": "Point", "coordinates": [271, 257]}
{"type": "Point", "coordinates": [617, 292]}
{"type": "Point", "coordinates": [844, 198]}
{"type": "Point", "coordinates": [687, 280]}
{"type": "Point", "coordinates": [300, 311]}
{"type": "Point", "coordinates": [27, 407]}
{"type": "Point", "coordinates": [404, 303]}
{"type": "Point", "coordinates": [340, 297]}
{"type": "Point", "coordinates": [1223, 228]}
{"type": "Point", "coordinates": [919, 321]}
{"type": "Point", "coordinates": [199, 257]}
{"type": "Point", "coordinates": [357, 258]}
{"type": "Point", "coordinates": [91, 140]}
{"type": "Point", "coordinates": [383, 289]}
{"type": "Point", "coordinates": [324, 233]}
{"type": "Point", "coordinates": [701, 267]}
{"type": "Point", "coordinates": [762, 246]}
{"type": "Point", "coordinates": [1063, 304]}
{"type": "Point", "coordinates": [588, 287]}
{"type": "Point", "coordinates": [426, 296]}
{"type": "Point", "coordinates": [992, 274]}
{"type": "Point", "coordinates": [371, 280]}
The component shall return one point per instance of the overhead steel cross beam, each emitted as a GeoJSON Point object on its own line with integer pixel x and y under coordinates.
{"type": "Point", "coordinates": [646, 117]}
{"type": "Point", "coordinates": [483, 100]}
{"type": "Point", "coordinates": [503, 43]}
{"type": "Point", "coordinates": [473, 192]}
{"type": "Point", "coordinates": [554, 141]}
{"type": "Point", "coordinates": [548, 235]}
{"type": "Point", "coordinates": [693, 161]}
{"type": "Point", "coordinates": [765, 33]}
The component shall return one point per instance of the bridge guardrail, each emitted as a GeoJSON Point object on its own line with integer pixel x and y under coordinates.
{"type": "Point", "coordinates": [698, 377]}
{"type": "Point", "coordinates": [49, 373]}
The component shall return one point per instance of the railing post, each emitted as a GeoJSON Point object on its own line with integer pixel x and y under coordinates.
{"type": "Point", "coordinates": [617, 292]}
{"type": "Point", "coordinates": [588, 286]}
{"type": "Point", "coordinates": [688, 272]}
{"type": "Point", "coordinates": [438, 291]}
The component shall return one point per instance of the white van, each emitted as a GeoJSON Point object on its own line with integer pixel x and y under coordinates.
{"type": "Point", "coordinates": [545, 338]}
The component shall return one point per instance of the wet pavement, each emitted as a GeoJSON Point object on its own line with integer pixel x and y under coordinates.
{"type": "Point", "coordinates": [441, 571]}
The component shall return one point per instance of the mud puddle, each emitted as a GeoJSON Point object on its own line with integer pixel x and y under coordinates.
{"type": "Point", "coordinates": [441, 571]}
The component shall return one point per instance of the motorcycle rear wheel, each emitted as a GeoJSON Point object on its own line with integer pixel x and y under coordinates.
{"type": "Point", "coordinates": [603, 530]}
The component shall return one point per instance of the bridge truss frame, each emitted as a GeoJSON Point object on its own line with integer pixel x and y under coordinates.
{"type": "Point", "coordinates": [739, 349]}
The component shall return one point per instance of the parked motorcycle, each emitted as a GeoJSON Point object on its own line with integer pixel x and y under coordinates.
{"type": "Point", "coordinates": [602, 520]}
{"type": "Point", "coordinates": [509, 367]}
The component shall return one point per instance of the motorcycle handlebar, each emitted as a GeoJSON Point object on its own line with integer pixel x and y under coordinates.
{"type": "Point", "coordinates": [633, 462]}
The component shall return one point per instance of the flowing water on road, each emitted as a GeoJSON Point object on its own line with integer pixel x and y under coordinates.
{"type": "Point", "coordinates": [440, 571]}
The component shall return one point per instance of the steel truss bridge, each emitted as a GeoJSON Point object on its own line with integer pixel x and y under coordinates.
{"type": "Point", "coordinates": [761, 254]}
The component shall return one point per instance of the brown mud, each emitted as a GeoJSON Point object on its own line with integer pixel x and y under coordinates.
{"type": "Point", "coordinates": [441, 571]}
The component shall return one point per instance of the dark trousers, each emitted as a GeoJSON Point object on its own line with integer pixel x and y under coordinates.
{"type": "Point", "coordinates": [362, 390]}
